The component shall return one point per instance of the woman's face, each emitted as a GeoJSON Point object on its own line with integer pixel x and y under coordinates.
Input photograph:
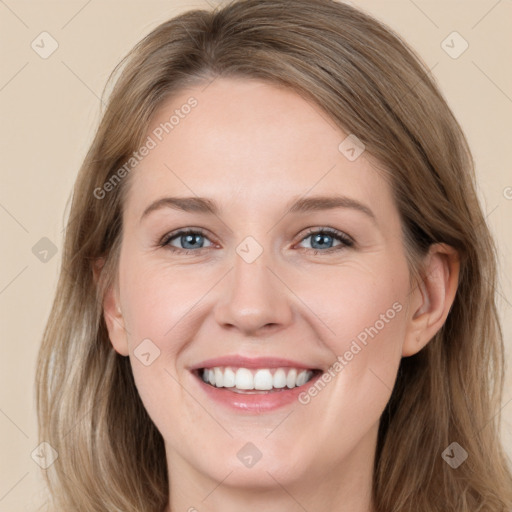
{"type": "Point", "coordinates": [300, 270]}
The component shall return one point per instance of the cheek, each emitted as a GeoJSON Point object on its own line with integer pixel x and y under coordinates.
{"type": "Point", "coordinates": [156, 303]}
{"type": "Point", "coordinates": [359, 302]}
{"type": "Point", "coordinates": [364, 309]}
{"type": "Point", "coordinates": [363, 306]}
{"type": "Point", "coordinates": [158, 297]}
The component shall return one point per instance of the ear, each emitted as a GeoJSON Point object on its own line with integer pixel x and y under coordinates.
{"type": "Point", "coordinates": [432, 298]}
{"type": "Point", "coordinates": [112, 311]}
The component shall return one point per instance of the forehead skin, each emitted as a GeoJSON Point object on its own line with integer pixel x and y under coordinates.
{"type": "Point", "coordinates": [253, 146]}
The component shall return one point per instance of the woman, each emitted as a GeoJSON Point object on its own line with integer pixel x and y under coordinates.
{"type": "Point", "coordinates": [277, 289]}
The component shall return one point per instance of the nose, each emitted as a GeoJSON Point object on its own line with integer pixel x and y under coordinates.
{"type": "Point", "coordinates": [255, 299]}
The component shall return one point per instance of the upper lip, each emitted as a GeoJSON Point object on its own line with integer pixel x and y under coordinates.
{"type": "Point", "coordinates": [248, 362]}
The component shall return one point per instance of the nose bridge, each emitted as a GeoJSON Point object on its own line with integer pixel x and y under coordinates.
{"type": "Point", "coordinates": [254, 297]}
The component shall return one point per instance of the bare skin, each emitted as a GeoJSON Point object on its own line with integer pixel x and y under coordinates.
{"type": "Point", "coordinates": [253, 149]}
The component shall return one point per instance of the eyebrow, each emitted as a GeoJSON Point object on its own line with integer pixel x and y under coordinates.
{"type": "Point", "coordinates": [301, 205]}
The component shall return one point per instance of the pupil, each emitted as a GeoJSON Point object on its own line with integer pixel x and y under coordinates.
{"type": "Point", "coordinates": [322, 239]}
{"type": "Point", "coordinates": [190, 238]}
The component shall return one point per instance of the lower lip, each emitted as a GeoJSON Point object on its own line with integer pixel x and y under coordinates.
{"type": "Point", "coordinates": [254, 403]}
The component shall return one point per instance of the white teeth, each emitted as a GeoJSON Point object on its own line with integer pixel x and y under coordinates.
{"type": "Point", "coordinates": [279, 378]}
{"type": "Point", "coordinates": [219, 377]}
{"type": "Point", "coordinates": [229, 378]}
{"type": "Point", "coordinates": [263, 379]}
{"type": "Point", "coordinates": [291, 379]}
{"type": "Point", "coordinates": [244, 379]}
{"type": "Point", "coordinates": [302, 378]}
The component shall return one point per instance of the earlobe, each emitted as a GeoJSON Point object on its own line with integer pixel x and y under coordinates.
{"type": "Point", "coordinates": [432, 298]}
{"type": "Point", "coordinates": [112, 313]}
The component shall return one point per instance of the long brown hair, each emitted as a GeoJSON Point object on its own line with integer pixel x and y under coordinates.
{"type": "Point", "coordinates": [368, 82]}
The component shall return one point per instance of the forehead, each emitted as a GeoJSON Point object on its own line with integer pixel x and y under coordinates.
{"type": "Point", "coordinates": [251, 140]}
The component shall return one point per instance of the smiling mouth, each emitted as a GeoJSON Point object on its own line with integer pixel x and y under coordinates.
{"type": "Point", "coordinates": [255, 381]}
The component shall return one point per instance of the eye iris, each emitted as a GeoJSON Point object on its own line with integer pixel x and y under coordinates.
{"type": "Point", "coordinates": [189, 238]}
{"type": "Point", "coordinates": [321, 239]}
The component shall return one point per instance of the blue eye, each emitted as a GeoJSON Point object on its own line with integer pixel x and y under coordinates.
{"type": "Point", "coordinates": [192, 241]}
{"type": "Point", "coordinates": [322, 240]}
{"type": "Point", "coordinates": [188, 239]}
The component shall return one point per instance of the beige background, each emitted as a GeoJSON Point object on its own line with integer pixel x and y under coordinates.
{"type": "Point", "coordinates": [50, 108]}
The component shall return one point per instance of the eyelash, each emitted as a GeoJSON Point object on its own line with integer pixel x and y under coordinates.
{"type": "Point", "coordinates": [345, 240]}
